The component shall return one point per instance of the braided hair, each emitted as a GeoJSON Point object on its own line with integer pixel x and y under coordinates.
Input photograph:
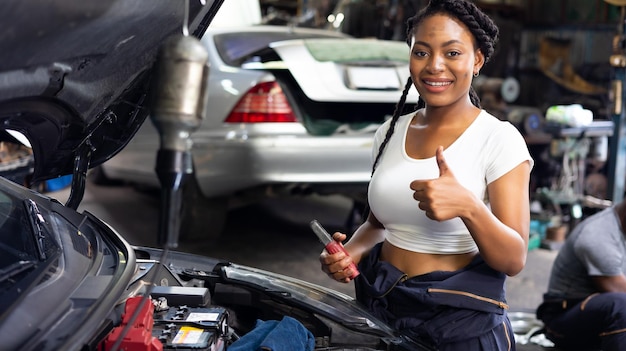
{"type": "Point", "coordinates": [479, 24]}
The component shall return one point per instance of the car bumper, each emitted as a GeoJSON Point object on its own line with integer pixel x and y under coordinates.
{"type": "Point", "coordinates": [325, 164]}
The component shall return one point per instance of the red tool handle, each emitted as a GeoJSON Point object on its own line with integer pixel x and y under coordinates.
{"type": "Point", "coordinates": [334, 247]}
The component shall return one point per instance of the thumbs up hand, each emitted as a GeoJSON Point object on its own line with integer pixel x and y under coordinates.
{"type": "Point", "coordinates": [440, 198]}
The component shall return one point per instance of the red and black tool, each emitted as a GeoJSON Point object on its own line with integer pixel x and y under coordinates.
{"type": "Point", "coordinates": [331, 245]}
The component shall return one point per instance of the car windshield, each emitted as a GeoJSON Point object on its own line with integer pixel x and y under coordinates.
{"type": "Point", "coordinates": [26, 246]}
{"type": "Point", "coordinates": [17, 242]}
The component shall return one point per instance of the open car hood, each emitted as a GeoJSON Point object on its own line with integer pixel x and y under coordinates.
{"type": "Point", "coordinates": [74, 74]}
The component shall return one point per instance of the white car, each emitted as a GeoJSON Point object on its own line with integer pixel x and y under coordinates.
{"type": "Point", "coordinates": [291, 111]}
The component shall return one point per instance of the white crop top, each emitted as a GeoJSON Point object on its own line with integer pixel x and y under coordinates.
{"type": "Point", "coordinates": [487, 149]}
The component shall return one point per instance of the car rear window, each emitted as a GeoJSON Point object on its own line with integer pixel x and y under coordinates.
{"type": "Point", "coordinates": [234, 48]}
{"type": "Point", "coordinates": [358, 50]}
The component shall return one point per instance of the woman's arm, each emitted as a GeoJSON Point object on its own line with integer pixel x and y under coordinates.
{"type": "Point", "coordinates": [500, 232]}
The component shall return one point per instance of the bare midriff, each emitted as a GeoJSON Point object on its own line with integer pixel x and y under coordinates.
{"type": "Point", "coordinates": [417, 263]}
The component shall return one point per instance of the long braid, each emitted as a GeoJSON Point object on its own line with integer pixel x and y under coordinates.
{"type": "Point", "coordinates": [394, 119]}
{"type": "Point", "coordinates": [474, 97]}
{"type": "Point", "coordinates": [392, 125]}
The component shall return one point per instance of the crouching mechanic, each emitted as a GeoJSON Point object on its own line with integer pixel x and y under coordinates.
{"type": "Point", "coordinates": [585, 305]}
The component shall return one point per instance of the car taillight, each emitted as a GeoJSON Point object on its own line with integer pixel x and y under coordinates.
{"type": "Point", "coordinates": [265, 102]}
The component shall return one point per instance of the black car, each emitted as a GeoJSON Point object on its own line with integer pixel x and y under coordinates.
{"type": "Point", "coordinates": [77, 79]}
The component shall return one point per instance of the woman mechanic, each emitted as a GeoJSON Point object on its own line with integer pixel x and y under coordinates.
{"type": "Point", "coordinates": [449, 211]}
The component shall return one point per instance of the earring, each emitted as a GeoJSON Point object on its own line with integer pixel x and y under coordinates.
{"type": "Point", "coordinates": [476, 74]}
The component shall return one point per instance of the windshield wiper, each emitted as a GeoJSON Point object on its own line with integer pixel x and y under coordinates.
{"type": "Point", "coordinates": [15, 269]}
{"type": "Point", "coordinates": [36, 223]}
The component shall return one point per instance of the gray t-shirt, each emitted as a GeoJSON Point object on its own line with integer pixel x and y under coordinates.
{"type": "Point", "coordinates": [595, 247]}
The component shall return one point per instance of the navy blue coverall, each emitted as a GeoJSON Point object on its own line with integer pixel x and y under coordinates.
{"type": "Point", "coordinates": [463, 310]}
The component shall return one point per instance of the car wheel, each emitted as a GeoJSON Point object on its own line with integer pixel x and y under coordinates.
{"type": "Point", "coordinates": [201, 218]}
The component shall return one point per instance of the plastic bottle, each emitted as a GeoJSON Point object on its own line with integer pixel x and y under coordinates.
{"type": "Point", "coordinates": [571, 115]}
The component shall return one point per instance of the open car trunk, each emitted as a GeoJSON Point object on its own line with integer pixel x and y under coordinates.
{"type": "Point", "coordinates": [344, 85]}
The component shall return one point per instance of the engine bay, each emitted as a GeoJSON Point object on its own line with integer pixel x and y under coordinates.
{"type": "Point", "coordinates": [182, 308]}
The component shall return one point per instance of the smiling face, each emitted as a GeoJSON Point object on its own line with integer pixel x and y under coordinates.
{"type": "Point", "coordinates": [443, 61]}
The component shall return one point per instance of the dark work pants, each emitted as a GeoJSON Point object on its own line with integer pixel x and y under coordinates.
{"type": "Point", "coordinates": [598, 322]}
{"type": "Point", "coordinates": [464, 310]}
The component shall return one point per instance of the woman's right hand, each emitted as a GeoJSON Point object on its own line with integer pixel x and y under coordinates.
{"type": "Point", "coordinates": [336, 265]}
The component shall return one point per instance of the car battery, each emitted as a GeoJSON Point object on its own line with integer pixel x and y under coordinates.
{"type": "Point", "coordinates": [197, 328]}
{"type": "Point", "coordinates": [183, 337]}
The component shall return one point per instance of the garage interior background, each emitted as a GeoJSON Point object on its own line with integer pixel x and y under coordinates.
{"type": "Point", "coordinates": [551, 53]}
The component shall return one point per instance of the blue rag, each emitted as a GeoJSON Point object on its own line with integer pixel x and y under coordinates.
{"type": "Point", "coordinates": [285, 335]}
